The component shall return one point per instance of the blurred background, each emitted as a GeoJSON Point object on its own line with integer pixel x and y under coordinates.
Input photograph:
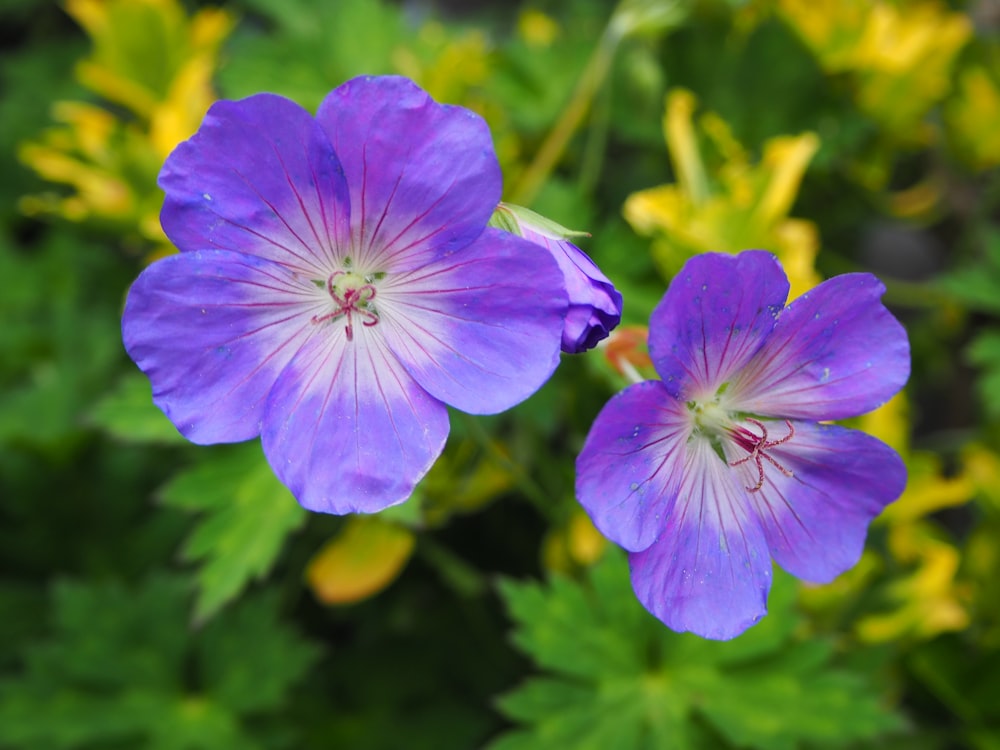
{"type": "Point", "coordinates": [155, 594]}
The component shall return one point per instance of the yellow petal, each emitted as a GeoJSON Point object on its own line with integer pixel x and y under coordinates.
{"type": "Point", "coordinates": [362, 560]}
{"type": "Point", "coordinates": [683, 145]}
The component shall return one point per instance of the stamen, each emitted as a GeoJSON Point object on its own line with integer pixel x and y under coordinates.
{"type": "Point", "coordinates": [354, 301]}
{"type": "Point", "coordinates": [756, 445]}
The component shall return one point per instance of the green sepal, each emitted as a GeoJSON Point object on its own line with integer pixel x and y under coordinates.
{"type": "Point", "coordinates": [511, 218]}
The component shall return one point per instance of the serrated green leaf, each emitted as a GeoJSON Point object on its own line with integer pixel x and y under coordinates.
{"type": "Point", "coordinates": [247, 515]}
{"type": "Point", "coordinates": [984, 352]}
{"type": "Point", "coordinates": [615, 675]}
{"type": "Point", "coordinates": [978, 284]}
{"type": "Point", "coordinates": [120, 667]}
{"type": "Point", "coordinates": [129, 414]}
{"type": "Point", "coordinates": [235, 651]}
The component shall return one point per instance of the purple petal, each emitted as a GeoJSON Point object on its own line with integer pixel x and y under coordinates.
{"type": "Point", "coordinates": [347, 429]}
{"type": "Point", "coordinates": [480, 328]}
{"type": "Point", "coordinates": [836, 352]}
{"type": "Point", "coordinates": [259, 177]}
{"type": "Point", "coordinates": [423, 176]}
{"type": "Point", "coordinates": [816, 521]}
{"type": "Point", "coordinates": [715, 315]}
{"type": "Point", "coordinates": [629, 471]}
{"type": "Point", "coordinates": [212, 330]}
{"type": "Point", "coordinates": [595, 306]}
{"type": "Point", "coordinates": [710, 571]}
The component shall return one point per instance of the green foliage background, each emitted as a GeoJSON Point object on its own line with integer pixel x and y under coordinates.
{"type": "Point", "coordinates": [155, 594]}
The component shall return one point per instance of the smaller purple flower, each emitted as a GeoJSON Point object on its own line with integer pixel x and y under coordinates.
{"type": "Point", "coordinates": [337, 288]}
{"type": "Point", "coordinates": [708, 474]}
{"type": "Point", "coordinates": [595, 306]}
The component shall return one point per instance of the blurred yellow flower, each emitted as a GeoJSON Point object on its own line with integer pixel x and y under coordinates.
{"type": "Point", "coordinates": [972, 116]}
{"type": "Point", "coordinates": [151, 59]}
{"type": "Point", "coordinates": [536, 28]}
{"type": "Point", "coordinates": [898, 55]}
{"type": "Point", "coordinates": [574, 545]}
{"type": "Point", "coordinates": [928, 601]}
{"type": "Point", "coordinates": [924, 595]}
{"type": "Point", "coordinates": [734, 206]}
{"type": "Point", "coordinates": [367, 556]}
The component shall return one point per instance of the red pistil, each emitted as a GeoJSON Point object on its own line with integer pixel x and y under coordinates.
{"type": "Point", "coordinates": [756, 446]}
{"type": "Point", "coordinates": [353, 301]}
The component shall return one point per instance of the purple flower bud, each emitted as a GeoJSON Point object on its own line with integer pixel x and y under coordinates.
{"type": "Point", "coordinates": [595, 306]}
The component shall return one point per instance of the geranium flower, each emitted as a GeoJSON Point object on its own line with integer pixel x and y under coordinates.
{"type": "Point", "coordinates": [707, 474]}
{"type": "Point", "coordinates": [337, 287]}
{"type": "Point", "coordinates": [595, 306]}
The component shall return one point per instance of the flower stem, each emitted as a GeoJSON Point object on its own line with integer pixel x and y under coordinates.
{"type": "Point", "coordinates": [529, 488]}
{"type": "Point", "coordinates": [552, 148]}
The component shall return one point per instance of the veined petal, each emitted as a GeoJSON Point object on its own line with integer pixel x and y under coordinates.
{"type": "Point", "coordinates": [212, 330]}
{"type": "Point", "coordinates": [346, 427]}
{"type": "Point", "coordinates": [714, 317]}
{"type": "Point", "coordinates": [710, 571]}
{"type": "Point", "coordinates": [595, 306]}
{"type": "Point", "coordinates": [816, 520]}
{"type": "Point", "coordinates": [836, 352]}
{"type": "Point", "coordinates": [629, 471]}
{"type": "Point", "coordinates": [259, 177]}
{"type": "Point", "coordinates": [479, 329]}
{"type": "Point", "coordinates": [423, 176]}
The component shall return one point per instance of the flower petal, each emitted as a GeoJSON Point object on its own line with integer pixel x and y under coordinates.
{"type": "Point", "coordinates": [629, 471]}
{"type": "Point", "coordinates": [816, 520]}
{"type": "Point", "coordinates": [715, 315]}
{"type": "Point", "coordinates": [259, 177]}
{"type": "Point", "coordinates": [710, 571]}
{"type": "Point", "coordinates": [836, 352]}
{"type": "Point", "coordinates": [347, 429]}
{"type": "Point", "coordinates": [212, 330]}
{"type": "Point", "coordinates": [423, 176]}
{"type": "Point", "coordinates": [595, 306]}
{"type": "Point", "coordinates": [480, 328]}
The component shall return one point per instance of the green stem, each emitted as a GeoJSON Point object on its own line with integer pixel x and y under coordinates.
{"type": "Point", "coordinates": [552, 148]}
{"type": "Point", "coordinates": [528, 487]}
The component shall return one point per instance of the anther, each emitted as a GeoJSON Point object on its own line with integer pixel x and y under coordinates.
{"type": "Point", "coordinates": [756, 445]}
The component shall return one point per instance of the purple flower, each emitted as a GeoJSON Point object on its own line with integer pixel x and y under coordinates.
{"type": "Point", "coordinates": [595, 306]}
{"type": "Point", "coordinates": [706, 475]}
{"type": "Point", "coordinates": [337, 287]}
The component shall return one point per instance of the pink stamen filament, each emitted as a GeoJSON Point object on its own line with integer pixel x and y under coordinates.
{"type": "Point", "coordinates": [354, 301]}
{"type": "Point", "coordinates": [756, 446]}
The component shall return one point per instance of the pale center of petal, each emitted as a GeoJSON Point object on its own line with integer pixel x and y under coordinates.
{"type": "Point", "coordinates": [717, 424]}
{"type": "Point", "coordinates": [352, 298]}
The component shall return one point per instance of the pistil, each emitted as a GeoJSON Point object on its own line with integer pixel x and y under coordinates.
{"type": "Point", "coordinates": [352, 295]}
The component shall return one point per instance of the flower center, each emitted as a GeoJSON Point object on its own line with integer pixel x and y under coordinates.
{"type": "Point", "coordinates": [716, 422]}
{"type": "Point", "coordinates": [352, 295]}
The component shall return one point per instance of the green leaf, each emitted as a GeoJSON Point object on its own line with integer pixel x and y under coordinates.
{"type": "Point", "coordinates": [247, 515]}
{"type": "Point", "coordinates": [616, 677]}
{"type": "Point", "coordinates": [977, 284]}
{"type": "Point", "coordinates": [128, 413]}
{"type": "Point", "coordinates": [120, 667]}
{"type": "Point", "coordinates": [984, 352]}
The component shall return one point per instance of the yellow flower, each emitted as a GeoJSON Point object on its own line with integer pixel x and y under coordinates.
{"type": "Point", "coordinates": [732, 207]}
{"type": "Point", "coordinates": [151, 59]}
{"type": "Point", "coordinates": [924, 595]}
{"type": "Point", "coordinates": [972, 116]}
{"type": "Point", "coordinates": [536, 28]}
{"type": "Point", "coordinates": [898, 56]}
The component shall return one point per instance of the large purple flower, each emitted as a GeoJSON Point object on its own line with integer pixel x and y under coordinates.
{"type": "Point", "coordinates": [337, 287]}
{"type": "Point", "coordinates": [707, 475]}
